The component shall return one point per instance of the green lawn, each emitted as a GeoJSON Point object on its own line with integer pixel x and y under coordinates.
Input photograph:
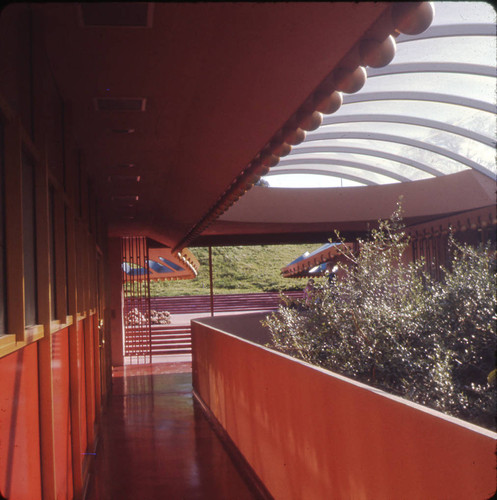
{"type": "Point", "coordinates": [240, 269]}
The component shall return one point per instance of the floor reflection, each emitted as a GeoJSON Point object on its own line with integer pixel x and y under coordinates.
{"type": "Point", "coordinates": [156, 444]}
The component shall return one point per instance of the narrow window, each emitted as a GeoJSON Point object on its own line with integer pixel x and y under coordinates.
{"type": "Point", "coordinates": [90, 208]}
{"type": "Point", "coordinates": [3, 305]}
{"type": "Point", "coordinates": [67, 260]}
{"type": "Point", "coordinates": [53, 282]}
{"type": "Point", "coordinates": [29, 241]}
{"type": "Point", "coordinates": [79, 195]}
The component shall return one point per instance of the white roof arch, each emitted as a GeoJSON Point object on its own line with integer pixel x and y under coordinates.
{"type": "Point", "coordinates": [429, 113]}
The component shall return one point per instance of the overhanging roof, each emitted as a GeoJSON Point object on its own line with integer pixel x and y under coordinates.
{"type": "Point", "coordinates": [179, 108]}
{"type": "Point", "coordinates": [427, 115]}
{"type": "Point", "coordinates": [162, 264]}
{"type": "Point", "coordinates": [313, 214]}
{"type": "Point", "coordinates": [170, 103]}
{"type": "Point", "coordinates": [303, 267]}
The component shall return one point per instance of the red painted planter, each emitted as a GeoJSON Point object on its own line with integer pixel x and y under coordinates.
{"type": "Point", "coordinates": [311, 434]}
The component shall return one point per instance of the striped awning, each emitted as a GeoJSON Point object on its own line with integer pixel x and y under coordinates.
{"type": "Point", "coordinates": [314, 263]}
{"type": "Point", "coordinates": [163, 264]}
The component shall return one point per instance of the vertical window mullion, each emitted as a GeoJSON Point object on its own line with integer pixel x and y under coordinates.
{"type": "Point", "coordinates": [60, 257]}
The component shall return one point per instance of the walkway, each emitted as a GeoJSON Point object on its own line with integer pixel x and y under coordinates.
{"type": "Point", "coordinates": [156, 443]}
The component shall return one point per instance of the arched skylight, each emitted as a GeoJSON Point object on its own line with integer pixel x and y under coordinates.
{"type": "Point", "coordinates": [430, 112]}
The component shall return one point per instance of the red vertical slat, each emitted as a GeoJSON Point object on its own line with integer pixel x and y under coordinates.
{"type": "Point", "coordinates": [136, 295]}
{"type": "Point", "coordinates": [149, 309]}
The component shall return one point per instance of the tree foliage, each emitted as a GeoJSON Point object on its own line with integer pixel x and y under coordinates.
{"type": "Point", "coordinates": [389, 324]}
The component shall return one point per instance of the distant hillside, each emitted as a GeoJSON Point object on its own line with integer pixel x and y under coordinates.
{"type": "Point", "coordinates": [239, 269]}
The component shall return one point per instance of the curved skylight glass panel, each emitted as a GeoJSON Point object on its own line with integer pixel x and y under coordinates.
{"type": "Point", "coordinates": [463, 13]}
{"type": "Point", "coordinates": [430, 112]}
{"type": "Point", "coordinates": [453, 49]}
{"type": "Point", "coordinates": [473, 150]}
{"type": "Point", "coordinates": [359, 174]}
{"type": "Point", "coordinates": [471, 120]}
{"type": "Point", "coordinates": [423, 158]}
{"type": "Point", "coordinates": [310, 181]}
{"type": "Point", "coordinates": [466, 121]}
{"type": "Point", "coordinates": [481, 88]}
{"type": "Point", "coordinates": [393, 165]}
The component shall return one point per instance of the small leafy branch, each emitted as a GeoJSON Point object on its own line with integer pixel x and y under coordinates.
{"type": "Point", "coordinates": [386, 322]}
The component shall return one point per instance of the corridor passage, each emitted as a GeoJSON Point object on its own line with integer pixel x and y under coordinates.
{"type": "Point", "coordinates": [156, 443]}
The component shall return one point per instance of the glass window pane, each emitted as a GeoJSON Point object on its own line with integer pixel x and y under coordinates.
{"type": "Point", "coordinates": [51, 226]}
{"type": "Point", "coordinates": [66, 236]}
{"type": "Point", "coordinates": [29, 241]}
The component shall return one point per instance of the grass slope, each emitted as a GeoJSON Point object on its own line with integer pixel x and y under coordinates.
{"type": "Point", "coordinates": [240, 269]}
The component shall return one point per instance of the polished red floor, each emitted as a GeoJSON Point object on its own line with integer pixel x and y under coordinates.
{"type": "Point", "coordinates": [156, 443]}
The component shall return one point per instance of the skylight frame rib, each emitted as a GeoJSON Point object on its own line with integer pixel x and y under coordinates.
{"type": "Point", "coordinates": [344, 163]}
{"type": "Point", "coordinates": [410, 120]}
{"type": "Point", "coordinates": [405, 95]}
{"type": "Point", "coordinates": [367, 152]}
{"type": "Point", "coordinates": [450, 30]}
{"type": "Point", "coordinates": [376, 136]}
{"type": "Point", "coordinates": [433, 67]}
{"type": "Point", "coordinates": [340, 175]}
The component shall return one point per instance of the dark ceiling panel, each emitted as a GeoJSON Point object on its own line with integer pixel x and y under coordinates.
{"type": "Point", "coordinates": [115, 14]}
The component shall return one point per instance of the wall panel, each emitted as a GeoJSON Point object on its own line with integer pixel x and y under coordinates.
{"type": "Point", "coordinates": [62, 415]}
{"type": "Point", "coordinates": [20, 477]}
{"type": "Point", "coordinates": [89, 378]}
{"type": "Point", "coordinates": [82, 388]}
{"type": "Point", "coordinates": [49, 371]}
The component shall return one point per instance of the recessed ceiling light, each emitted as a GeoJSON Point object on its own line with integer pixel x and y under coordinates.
{"type": "Point", "coordinates": [123, 178]}
{"type": "Point", "coordinates": [123, 131]}
{"type": "Point", "coordinates": [120, 103]}
{"type": "Point", "coordinates": [126, 198]}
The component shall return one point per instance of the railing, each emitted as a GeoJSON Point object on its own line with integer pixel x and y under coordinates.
{"type": "Point", "coordinates": [176, 338]}
{"type": "Point", "coordinates": [311, 434]}
{"type": "Point", "coordinates": [222, 303]}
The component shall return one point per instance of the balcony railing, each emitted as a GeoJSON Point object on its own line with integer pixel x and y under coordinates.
{"type": "Point", "coordinates": [308, 433]}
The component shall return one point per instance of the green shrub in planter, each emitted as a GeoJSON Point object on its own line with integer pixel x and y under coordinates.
{"type": "Point", "coordinates": [387, 323]}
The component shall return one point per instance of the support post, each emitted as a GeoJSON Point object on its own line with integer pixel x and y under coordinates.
{"type": "Point", "coordinates": [211, 281]}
